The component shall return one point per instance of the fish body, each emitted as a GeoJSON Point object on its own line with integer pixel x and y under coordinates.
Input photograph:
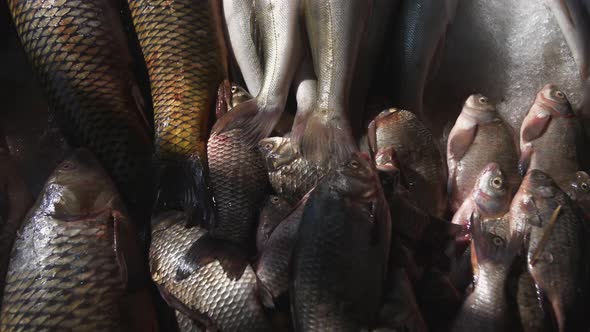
{"type": "Point", "coordinates": [274, 211]}
{"type": "Point", "coordinates": [342, 250]}
{"type": "Point", "coordinates": [479, 137]}
{"type": "Point", "coordinates": [422, 167]}
{"type": "Point", "coordinates": [400, 309]}
{"type": "Point", "coordinates": [305, 85]}
{"type": "Point", "coordinates": [531, 312]}
{"type": "Point", "coordinates": [76, 259]}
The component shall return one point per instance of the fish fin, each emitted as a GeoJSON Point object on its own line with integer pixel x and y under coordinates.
{"type": "Point", "coordinates": [534, 128]}
{"type": "Point", "coordinates": [451, 180]}
{"type": "Point", "coordinates": [206, 250]}
{"type": "Point", "coordinates": [460, 140]}
{"type": "Point", "coordinates": [182, 185]}
{"type": "Point", "coordinates": [129, 257]}
{"type": "Point", "coordinates": [490, 247]}
{"type": "Point", "coordinates": [525, 159]}
{"type": "Point", "coordinates": [372, 138]}
{"type": "Point", "coordinates": [256, 122]}
{"type": "Point", "coordinates": [327, 143]}
{"type": "Point", "coordinates": [223, 101]}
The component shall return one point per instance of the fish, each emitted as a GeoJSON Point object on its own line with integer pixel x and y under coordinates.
{"type": "Point", "coordinates": [420, 29]}
{"type": "Point", "coordinates": [274, 262]}
{"type": "Point", "coordinates": [290, 174]}
{"type": "Point", "coordinates": [335, 29]}
{"type": "Point", "coordinates": [341, 254]}
{"type": "Point", "coordinates": [579, 191]}
{"type": "Point", "coordinates": [305, 85]}
{"type": "Point", "coordinates": [555, 252]}
{"type": "Point", "coordinates": [478, 137]}
{"type": "Point", "coordinates": [76, 263]}
{"type": "Point", "coordinates": [280, 33]}
{"type": "Point", "coordinates": [421, 164]}
{"type": "Point", "coordinates": [550, 136]}
{"type": "Point", "coordinates": [275, 210]}
{"type": "Point", "coordinates": [79, 51]}
{"type": "Point", "coordinates": [486, 309]}
{"type": "Point", "coordinates": [185, 324]}
{"type": "Point", "coordinates": [221, 293]}
{"type": "Point", "coordinates": [183, 46]}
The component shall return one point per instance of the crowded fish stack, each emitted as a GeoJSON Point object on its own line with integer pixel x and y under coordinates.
{"type": "Point", "coordinates": [318, 199]}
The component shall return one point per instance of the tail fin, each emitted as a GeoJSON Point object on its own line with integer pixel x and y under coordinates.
{"type": "Point", "coordinates": [492, 248]}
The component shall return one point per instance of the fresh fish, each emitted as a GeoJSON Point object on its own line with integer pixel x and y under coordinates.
{"type": "Point", "coordinates": [280, 33]}
{"type": "Point", "coordinates": [335, 29]}
{"type": "Point", "coordinates": [486, 309]}
{"type": "Point", "coordinates": [420, 37]}
{"type": "Point", "coordinates": [556, 254]}
{"type": "Point", "coordinates": [273, 265]}
{"type": "Point", "coordinates": [342, 251]}
{"type": "Point", "coordinates": [221, 293]}
{"type": "Point", "coordinates": [305, 86]}
{"type": "Point", "coordinates": [291, 176]}
{"type": "Point", "coordinates": [530, 309]}
{"type": "Point", "coordinates": [416, 152]}
{"type": "Point", "coordinates": [579, 191]}
{"type": "Point", "coordinates": [479, 137]}
{"type": "Point", "coordinates": [550, 136]}
{"type": "Point", "coordinates": [76, 262]}
{"type": "Point", "coordinates": [184, 52]}
{"type": "Point", "coordinates": [243, 32]}
{"type": "Point", "coordinates": [275, 210]}
{"type": "Point", "coordinates": [79, 51]}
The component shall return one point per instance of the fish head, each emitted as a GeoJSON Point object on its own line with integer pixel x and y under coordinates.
{"type": "Point", "coordinates": [539, 184]}
{"type": "Point", "coordinates": [479, 107]}
{"type": "Point", "coordinates": [492, 191]}
{"type": "Point", "coordinates": [238, 95]}
{"type": "Point", "coordinates": [579, 191]}
{"type": "Point", "coordinates": [552, 99]}
{"type": "Point", "coordinates": [277, 152]}
{"type": "Point", "coordinates": [357, 177]}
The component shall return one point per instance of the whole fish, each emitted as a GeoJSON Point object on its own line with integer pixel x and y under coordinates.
{"type": "Point", "coordinates": [182, 42]}
{"type": "Point", "coordinates": [76, 262]}
{"type": "Point", "coordinates": [556, 253]}
{"type": "Point", "coordinates": [486, 309]}
{"type": "Point", "coordinates": [220, 293]}
{"type": "Point", "coordinates": [80, 52]}
{"type": "Point", "coordinates": [416, 152]}
{"type": "Point", "coordinates": [291, 176]}
{"type": "Point", "coordinates": [479, 137]}
{"type": "Point", "coordinates": [342, 251]}
{"type": "Point", "coordinates": [280, 33]}
{"type": "Point", "coordinates": [334, 29]}
{"type": "Point", "coordinates": [275, 210]}
{"type": "Point", "coordinates": [579, 191]}
{"type": "Point", "coordinates": [420, 31]}
{"type": "Point", "coordinates": [550, 136]}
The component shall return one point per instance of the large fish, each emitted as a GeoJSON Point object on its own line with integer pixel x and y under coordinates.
{"type": "Point", "coordinates": [280, 33]}
{"type": "Point", "coordinates": [76, 264]}
{"type": "Point", "coordinates": [79, 50]}
{"type": "Point", "coordinates": [550, 136]}
{"type": "Point", "coordinates": [183, 47]}
{"type": "Point", "coordinates": [556, 253]}
{"type": "Point", "coordinates": [335, 29]}
{"type": "Point", "coordinates": [422, 167]}
{"type": "Point", "coordinates": [274, 211]}
{"type": "Point", "coordinates": [478, 137]}
{"type": "Point", "coordinates": [342, 251]}
{"type": "Point", "coordinates": [220, 293]}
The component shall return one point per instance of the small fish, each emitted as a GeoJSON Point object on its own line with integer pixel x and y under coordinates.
{"type": "Point", "coordinates": [417, 155]}
{"type": "Point", "coordinates": [275, 210]}
{"type": "Point", "coordinates": [550, 136]}
{"type": "Point", "coordinates": [479, 137]}
{"type": "Point", "coordinates": [342, 250]}
{"type": "Point", "coordinates": [579, 191]}
{"type": "Point", "coordinates": [77, 253]}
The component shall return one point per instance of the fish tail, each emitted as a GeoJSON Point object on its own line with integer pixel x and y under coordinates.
{"type": "Point", "coordinates": [182, 185]}
{"type": "Point", "coordinates": [490, 247]}
{"type": "Point", "coordinates": [255, 121]}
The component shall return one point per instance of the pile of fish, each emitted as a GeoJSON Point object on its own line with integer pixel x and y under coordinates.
{"type": "Point", "coordinates": [318, 199]}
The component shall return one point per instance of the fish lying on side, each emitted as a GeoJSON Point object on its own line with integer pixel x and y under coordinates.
{"type": "Point", "coordinates": [183, 46]}
{"type": "Point", "coordinates": [479, 137]}
{"type": "Point", "coordinates": [275, 210]}
{"type": "Point", "coordinates": [341, 255]}
{"type": "Point", "coordinates": [76, 263]}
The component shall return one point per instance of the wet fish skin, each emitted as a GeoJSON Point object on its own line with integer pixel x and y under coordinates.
{"type": "Point", "coordinates": [420, 161]}
{"type": "Point", "coordinates": [579, 191]}
{"type": "Point", "coordinates": [550, 136]}
{"type": "Point", "coordinates": [214, 295]}
{"type": "Point", "coordinates": [478, 137]}
{"type": "Point", "coordinates": [77, 251]}
{"type": "Point", "coordinates": [185, 324]}
{"type": "Point", "coordinates": [305, 85]}
{"type": "Point", "coordinates": [274, 211]}
{"type": "Point", "coordinates": [530, 310]}
{"type": "Point", "coordinates": [342, 250]}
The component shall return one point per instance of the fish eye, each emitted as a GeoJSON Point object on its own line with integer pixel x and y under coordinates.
{"type": "Point", "coordinates": [497, 182]}
{"type": "Point", "coordinates": [497, 241]}
{"type": "Point", "coordinates": [274, 200]}
{"type": "Point", "coordinates": [234, 89]}
{"type": "Point", "coordinates": [68, 166]}
{"type": "Point", "coordinates": [483, 100]}
{"type": "Point", "coordinates": [354, 164]}
{"type": "Point", "coordinates": [269, 145]}
{"type": "Point", "coordinates": [541, 176]}
{"type": "Point", "coordinates": [584, 186]}
{"type": "Point", "coordinates": [559, 94]}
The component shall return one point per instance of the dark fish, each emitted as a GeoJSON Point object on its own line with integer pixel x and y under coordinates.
{"type": "Point", "coordinates": [422, 166]}
{"type": "Point", "coordinates": [550, 137]}
{"type": "Point", "coordinates": [80, 52]}
{"type": "Point", "coordinates": [342, 251]}
{"type": "Point", "coordinates": [478, 138]}
{"type": "Point", "coordinates": [182, 42]}
{"type": "Point", "coordinates": [221, 293]}
{"type": "Point", "coordinates": [334, 29]}
{"type": "Point", "coordinates": [486, 309]}
{"type": "Point", "coordinates": [76, 263]}
{"type": "Point", "coordinates": [579, 191]}
{"type": "Point", "coordinates": [275, 210]}
{"type": "Point", "coordinates": [556, 254]}
{"type": "Point", "coordinates": [291, 176]}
